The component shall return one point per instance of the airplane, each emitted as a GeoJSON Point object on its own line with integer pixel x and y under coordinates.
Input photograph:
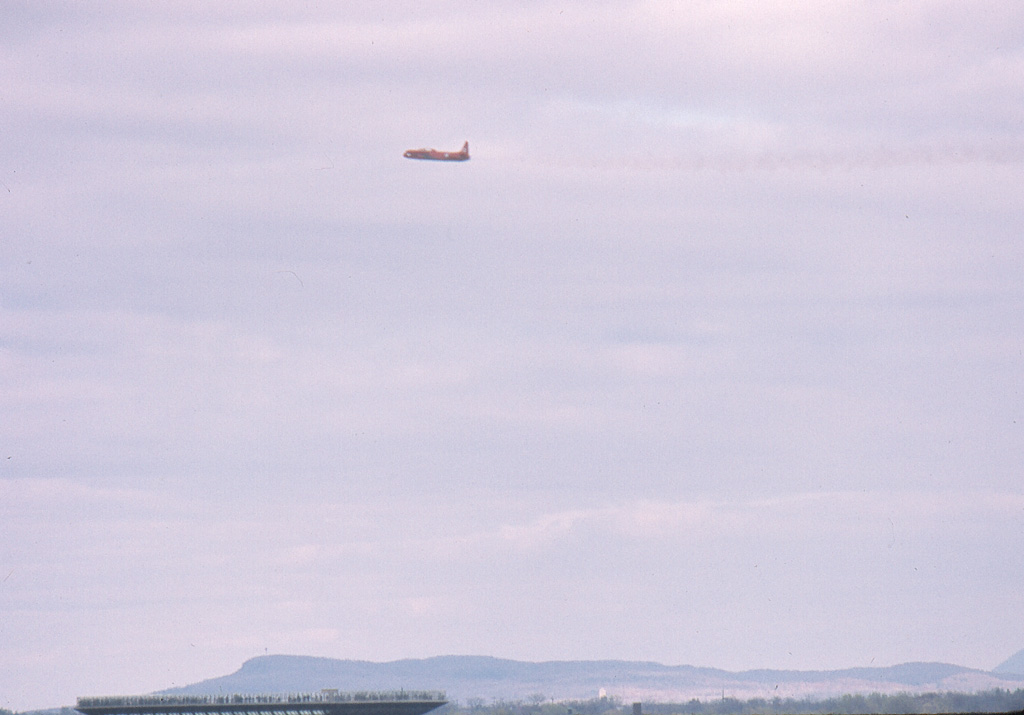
{"type": "Point", "coordinates": [435, 155]}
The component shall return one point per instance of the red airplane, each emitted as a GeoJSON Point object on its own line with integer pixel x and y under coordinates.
{"type": "Point", "coordinates": [435, 155]}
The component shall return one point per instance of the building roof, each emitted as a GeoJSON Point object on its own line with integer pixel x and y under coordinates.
{"type": "Point", "coordinates": [325, 702]}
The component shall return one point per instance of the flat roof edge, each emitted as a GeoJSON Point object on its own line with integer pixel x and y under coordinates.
{"type": "Point", "coordinates": [323, 697]}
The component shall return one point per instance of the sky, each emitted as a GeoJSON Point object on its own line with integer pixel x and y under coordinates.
{"type": "Point", "coordinates": [712, 354]}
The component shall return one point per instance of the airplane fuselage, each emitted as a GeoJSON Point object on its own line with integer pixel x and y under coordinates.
{"type": "Point", "coordinates": [435, 155]}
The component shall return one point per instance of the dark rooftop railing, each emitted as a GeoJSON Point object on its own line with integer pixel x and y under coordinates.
{"type": "Point", "coordinates": [324, 696]}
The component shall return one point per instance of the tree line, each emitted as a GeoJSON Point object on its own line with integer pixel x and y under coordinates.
{"type": "Point", "coordinates": [991, 701]}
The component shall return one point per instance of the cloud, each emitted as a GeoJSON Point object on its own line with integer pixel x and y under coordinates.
{"type": "Point", "coordinates": [299, 575]}
{"type": "Point", "coordinates": [718, 327]}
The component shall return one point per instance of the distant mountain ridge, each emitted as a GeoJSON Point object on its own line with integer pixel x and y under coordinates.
{"type": "Point", "coordinates": [1013, 665]}
{"type": "Point", "coordinates": [466, 677]}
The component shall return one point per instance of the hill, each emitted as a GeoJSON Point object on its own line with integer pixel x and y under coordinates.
{"type": "Point", "coordinates": [465, 677]}
{"type": "Point", "coordinates": [1013, 665]}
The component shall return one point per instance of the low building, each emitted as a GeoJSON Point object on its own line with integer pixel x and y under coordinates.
{"type": "Point", "coordinates": [325, 702]}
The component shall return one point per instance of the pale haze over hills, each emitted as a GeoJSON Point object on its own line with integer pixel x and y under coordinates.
{"type": "Point", "coordinates": [464, 677]}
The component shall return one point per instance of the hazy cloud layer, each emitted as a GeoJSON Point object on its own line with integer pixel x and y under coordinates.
{"type": "Point", "coordinates": [710, 355]}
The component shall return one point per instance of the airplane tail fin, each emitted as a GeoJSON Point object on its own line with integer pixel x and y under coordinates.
{"type": "Point", "coordinates": [465, 148]}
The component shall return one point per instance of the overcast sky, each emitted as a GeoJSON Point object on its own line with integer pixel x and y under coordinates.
{"type": "Point", "coordinates": [712, 354]}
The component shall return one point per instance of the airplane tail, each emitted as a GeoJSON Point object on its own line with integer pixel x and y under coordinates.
{"type": "Point", "coordinates": [465, 148]}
